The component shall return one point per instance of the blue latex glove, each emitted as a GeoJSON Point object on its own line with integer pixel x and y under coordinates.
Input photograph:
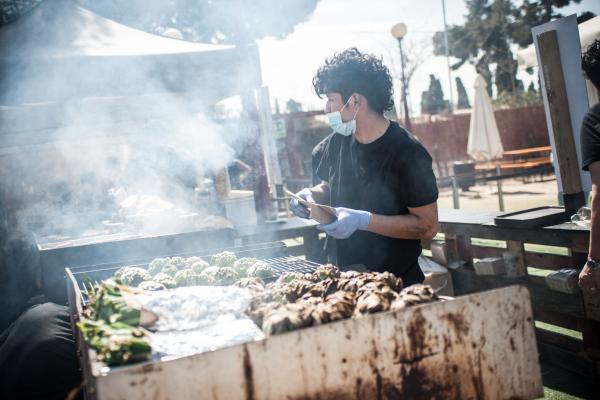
{"type": "Point", "coordinates": [297, 208]}
{"type": "Point", "coordinates": [347, 222]}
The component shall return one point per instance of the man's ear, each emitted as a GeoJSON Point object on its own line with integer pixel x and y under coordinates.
{"type": "Point", "coordinates": [357, 99]}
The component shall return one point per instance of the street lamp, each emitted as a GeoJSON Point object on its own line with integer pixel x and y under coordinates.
{"type": "Point", "coordinates": [398, 31]}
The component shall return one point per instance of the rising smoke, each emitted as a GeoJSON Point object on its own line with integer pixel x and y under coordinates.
{"type": "Point", "coordinates": [95, 112]}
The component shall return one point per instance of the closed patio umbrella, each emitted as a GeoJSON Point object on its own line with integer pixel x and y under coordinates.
{"type": "Point", "coordinates": [484, 139]}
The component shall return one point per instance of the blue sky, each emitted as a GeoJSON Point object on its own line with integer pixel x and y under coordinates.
{"type": "Point", "coordinates": [289, 64]}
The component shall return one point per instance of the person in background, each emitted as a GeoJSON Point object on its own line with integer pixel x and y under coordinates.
{"type": "Point", "coordinates": [375, 173]}
{"type": "Point", "coordinates": [589, 277]}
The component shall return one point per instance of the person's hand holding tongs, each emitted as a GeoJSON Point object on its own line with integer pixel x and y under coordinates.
{"type": "Point", "coordinates": [299, 204]}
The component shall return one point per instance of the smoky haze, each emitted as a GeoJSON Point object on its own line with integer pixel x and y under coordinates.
{"type": "Point", "coordinates": [92, 111]}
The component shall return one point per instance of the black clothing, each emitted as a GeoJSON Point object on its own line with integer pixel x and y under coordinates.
{"type": "Point", "coordinates": [384, 177]}
{"type": "Point", "coordinates": [38, 359]}
{"type": "Point", "coordinates": [590, 137]}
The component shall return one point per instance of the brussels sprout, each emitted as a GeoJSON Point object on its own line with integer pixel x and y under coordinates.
{"type": "Point", "coordinates": [224, 259]}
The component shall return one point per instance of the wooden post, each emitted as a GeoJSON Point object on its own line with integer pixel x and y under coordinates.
{"type": "Point", "coordinates": [558, 104]}
{"type": "Point", "coordinates": [518, 249]}
{"type": "Point", "coordinates": [458, 248]}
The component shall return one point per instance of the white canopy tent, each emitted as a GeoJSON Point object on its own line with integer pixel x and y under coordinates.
{"type": "Point", "coordinates": [484, 138]}
{"type": "Point", "coordinates": [60, 50]}
{"type": "Point", "coordinates": [588, 32]}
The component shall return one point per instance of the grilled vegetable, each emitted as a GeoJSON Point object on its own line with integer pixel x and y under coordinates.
{"type": "Point", "coordinates": [108, 304]}
{"type": "Point", "coordinates": [166, 280]}
{"type": "Point", "coordinates": [241, 266]}
{"type": "Point", "coordinates": [170, 270]}
{"type": "Point", "coordinates": [224, 259]}
{"type": "Point", "coordinates": [199, 266]}
{"type": "Point", "coordinates": [185, 277]}
{"type": "Point", "coordinates": [116, 343]}
{"type": "Point", "coordinates": [157, 265]}
{"type": "Point", "coordinates": [260, 269]}
{"type": "Point", "coordinates": [133, 276]}
{"type": "Point", "coordinates": [178, 262]}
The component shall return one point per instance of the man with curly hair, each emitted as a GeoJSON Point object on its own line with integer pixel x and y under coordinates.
{"type": "Point", "coordinates": [374, 172]}
{"type": "Point", "coordinates": [589, 278]}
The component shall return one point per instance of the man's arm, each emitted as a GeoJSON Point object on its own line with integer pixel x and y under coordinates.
{"type": "Point", "coordinates": [589, 280]}
{"type": "Point", "coordinates": [421, 223]}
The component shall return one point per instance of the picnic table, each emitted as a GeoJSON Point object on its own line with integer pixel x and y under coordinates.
{"type": "Point", "coordinates": [533, 159]}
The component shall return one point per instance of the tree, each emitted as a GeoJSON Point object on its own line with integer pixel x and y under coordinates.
{"type": "Point", "coordinates": [483, 39]}
{"type": "Point", "coordinates": [533, 13]}
{"type": "Point", "coordinates": [292, 106]}
{"type": "Point", "coordinates": [11, 10]}
{"type": "Point", "coordinates": [211, 21]}
{"type": "Point", "coordinates": [432, 100]}
{"type": "Point", "coordinates": [415, 54]}
{"type": "Point", "coordinates": [491, 27]}
{"type": "Point", "coordinates": [463, 99]}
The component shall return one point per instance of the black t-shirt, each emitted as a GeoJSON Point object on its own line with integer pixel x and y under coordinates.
{"type": "Point", "coordinates": [384, 177]}
{"type": "Point", "coordinates": [590, 137]}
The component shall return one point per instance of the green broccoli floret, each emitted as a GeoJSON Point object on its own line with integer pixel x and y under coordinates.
{"type": "Point", "coordinates": [224, 259]}
{"type": "Point", "coordinates": [185, 277]}
{"type": "Point", "coordinates": [260, 269]}
{"type": "Point", "coordinates": [241, 266]}
{"type": "Point", "coordinates": [170, 270]}
{"type": "Point", "coordinates": [157, 265]}
{"type": "Point", "coordinates": [133, 276]}
{"type": "Point", "coordinates": [165, 280]}
{"type": "Point", "coordinates": [199, 266]}
{"type": "Point", "coordinates": [151, 286]}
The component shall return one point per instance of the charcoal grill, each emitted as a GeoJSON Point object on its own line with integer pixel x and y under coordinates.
{"type": "Point", "coordinates": [54, 256]}
{"type": "Point", "coordinates": [476, 346]}
{"type": "Point", "coordinates": [86, 277]}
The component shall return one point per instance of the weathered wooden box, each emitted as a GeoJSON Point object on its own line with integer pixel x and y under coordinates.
{"type": "Point", "coordinates": [480, 346]}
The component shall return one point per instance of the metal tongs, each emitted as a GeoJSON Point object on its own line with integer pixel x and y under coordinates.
{"type": "Point", "coordinates": [318, 212]}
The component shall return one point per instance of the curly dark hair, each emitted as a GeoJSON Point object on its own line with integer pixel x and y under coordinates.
{"type": "Point", "coordinates": [354, 72]}
{"type": "Point", "coordinates": [590, 63]}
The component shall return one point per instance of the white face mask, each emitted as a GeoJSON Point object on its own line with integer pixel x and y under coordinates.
{"type": "Point", "coordinates": [339, 126]}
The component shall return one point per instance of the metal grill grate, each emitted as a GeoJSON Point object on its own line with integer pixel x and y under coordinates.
{"type": "Point", "coordinates": [87, 280]}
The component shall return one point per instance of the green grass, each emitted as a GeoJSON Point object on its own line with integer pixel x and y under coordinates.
{"type": "Point", "coordinates": [558, 329]}
{"type": "Point", "coordinates": [552, 394]}
{"type": "Point", "coordinates": [539, 248]}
